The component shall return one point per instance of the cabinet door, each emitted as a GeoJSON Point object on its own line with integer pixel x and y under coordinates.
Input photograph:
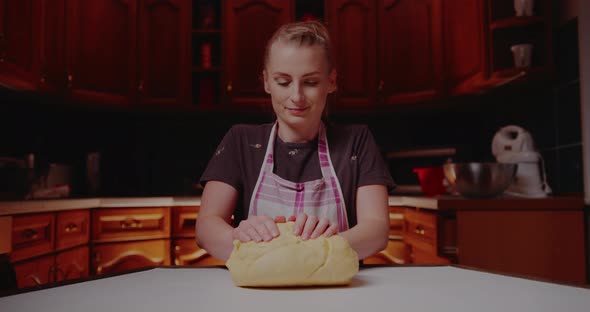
{"type": "Point", "coordinates": [35, 272]}
{"type": "Point", "coordinates": [164, 69]}
{"type": "Point", "coordinates": [32, 235]}
{"type": "Point", "coordinates": [118, 224]}
{"type": "Point", "coordinates": [352, 29]}
{"type": "Point", "coordinates": [464, 45]}
{"type": "Point", "coordinates": [249, 25]}
{"type": "Point", "coordinates": [52, 73]}
{"type": "Point", "coordinates": [187, 252]}
{"type": "Point", "coordinates": [72, 228]}
{"type": "Point", "coordinates": [71, 264]}
{"type": "Point", "coordinates": [410, 50]}
{"type": "Point", "coordinates": [19, 33]}
{"type": "Point", "coordinates": [101, 50]}
{"type": "Point", "coordinates": [120, 257]}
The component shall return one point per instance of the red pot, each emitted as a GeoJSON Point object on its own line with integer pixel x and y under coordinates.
{"type": "Point", "coordinates": [431, 180]}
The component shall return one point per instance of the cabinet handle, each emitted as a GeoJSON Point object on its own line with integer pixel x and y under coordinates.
{"type": "Point", "coordinates": [71, 227]}
{"type": "Point", "coordinates": [229, 86]}
{"type": "Point", "coordinates": [380, 87]}
{"type": "Point", "coordinates": [29, 234]}
{"type": "Point", "coordinates": [140, 86]}
{"type": "Point", "coordinates": [131, 223]}
{"type": "Point", "coordinates": [419, 230]}
{"type": "Point", "coordinates": [176, 249]}
{"type": "Point", "coordinates": [70, 81]}
{"type": "Point", "coordinates": [43, 70]}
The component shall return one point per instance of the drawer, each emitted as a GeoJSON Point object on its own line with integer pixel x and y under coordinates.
{"type": "Point", "coordinates": [187, 252]}
{"type": "Point", "coordinates": [32, 235]}
{"type": "Point", "coordinates": [421, 225]}
{"type": "Point", "coordinates": [184, 220]}
{"type": "Point", "coordinates": [121, 257]}
{"type": "Point", "coordinates": [72, 229]}
{"type": "Point", "coordinates": [35, 272]}
{"type": "Point", "coordinates": [396, 222]}
{"type": "Point", "coordinates": [121, 224]}
{"type": "Point", "coordinates": [71, 264]}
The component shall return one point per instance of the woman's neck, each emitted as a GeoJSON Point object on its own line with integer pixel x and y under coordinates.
{"type": "Point", "coordinates": [297, 135]}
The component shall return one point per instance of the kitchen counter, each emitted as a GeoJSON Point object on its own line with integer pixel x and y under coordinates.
{"type": "Point", "coordinates": [435, 203]}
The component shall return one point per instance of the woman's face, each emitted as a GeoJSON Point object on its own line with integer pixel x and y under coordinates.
{"type": "Point", "coordinates": [298, 80]}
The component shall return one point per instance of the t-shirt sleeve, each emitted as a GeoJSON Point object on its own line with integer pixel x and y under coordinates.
{"type": "Point", "coordinates": [372, 167]}
{"type": "Point", "coordinates": [224, 165]}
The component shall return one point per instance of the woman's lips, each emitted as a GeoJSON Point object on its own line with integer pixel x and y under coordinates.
{"type": "Point", "coordinates": [297, 110]}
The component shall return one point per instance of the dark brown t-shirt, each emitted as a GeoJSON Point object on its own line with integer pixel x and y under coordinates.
{"type": "Point", "coordinates": [356, 159]}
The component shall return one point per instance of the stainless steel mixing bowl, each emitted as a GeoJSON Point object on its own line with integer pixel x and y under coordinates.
{"type": "Point", "coordinates": [476, 179]}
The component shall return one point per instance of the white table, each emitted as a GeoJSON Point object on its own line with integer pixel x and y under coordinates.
{"type": "Point", "coordinates": [398, 289]}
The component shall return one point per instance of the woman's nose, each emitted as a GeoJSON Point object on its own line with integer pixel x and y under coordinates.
{"type": "Point", "coordinates": [297, 95]}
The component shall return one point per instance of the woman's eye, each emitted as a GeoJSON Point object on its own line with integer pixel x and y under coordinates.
{"type": "Point", "coordinates": [283, 83]}
{"type": "Point", "coordinates": [311, 82]}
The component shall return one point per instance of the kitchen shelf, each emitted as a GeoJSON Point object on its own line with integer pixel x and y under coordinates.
{"type": "Point", "coordinates": [512, 22]}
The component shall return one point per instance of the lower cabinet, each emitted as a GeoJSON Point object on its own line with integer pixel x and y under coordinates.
{"type": "Point", "coordinates": [185, 251]}
{"type": "Point", "coordinates": [65, 265]}
{"type": "Point", "coordinates": [124, 256]}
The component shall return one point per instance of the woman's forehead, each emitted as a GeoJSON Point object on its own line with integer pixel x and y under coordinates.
{"type": "Point", "coordinates": [292, 56]}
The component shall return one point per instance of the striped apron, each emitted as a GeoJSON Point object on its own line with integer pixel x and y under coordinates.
{"type": "Point", "coordinates": [274, 196]}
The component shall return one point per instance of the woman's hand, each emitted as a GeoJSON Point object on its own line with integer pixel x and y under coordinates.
{"type": "Point", "coordinates": [310, 227]}
{"type": "Point", "coordinates": [256, 228]}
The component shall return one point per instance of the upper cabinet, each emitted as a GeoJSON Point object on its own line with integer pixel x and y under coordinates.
{"type": "Point", "coordinates": [410, 50]}
{"type": "Point", "coordinates": [249, 24]}
{"type": "Point", "coordinates": [19, 39]}
{"type": "Point", "coordinates": [163, 39]}
{"type": "Point", "coordinates": [101, 55]}
{"type": "Point", "coordinates": [353, 32]}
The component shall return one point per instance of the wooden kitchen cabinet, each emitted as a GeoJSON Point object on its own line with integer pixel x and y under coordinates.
{"type": "Point", "coordinates": [431, 236]}
{"type": "Point", "coordinates": [35, 272]}
{"type": "Point", "coordinates": [32, 235]}
{"type": "Point", "coordinates": [123, 224]}
{"type": "Point", "coordinates": [397, 251]}
{"type": "Point", "coordinates": [19, 41]}
{"type": "Point", "coordinates": [72, 229]}
{"type": "Point", "coordinates": [353, 31]}
{"type": "Point", "coordinates": [249, 24]}
{"type": "Point", "coordinates": [124, 256]}
{"type": "Point", "coordinates": [184, 220]}
{"type": "Point", "coordinates": [410, 51]}
{"type": "Point", "coordinates": [101, 57]}
{"type": "Point", "coordinates": [186, 252]}
{"type": "Point", "coordinates": [163, 56]}
{"type": "Point", "coordinates": [464, 45]}
{"type": "Point", "coordinates": [72, 264]}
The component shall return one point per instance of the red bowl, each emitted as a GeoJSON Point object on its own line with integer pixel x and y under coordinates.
{"type": "Point", "coordinates": [432, 180]}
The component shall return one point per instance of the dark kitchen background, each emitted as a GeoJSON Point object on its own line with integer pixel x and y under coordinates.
{"type": "Point", "coordinates": [154, 89]}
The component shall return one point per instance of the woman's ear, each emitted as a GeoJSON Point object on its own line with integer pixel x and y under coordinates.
{"type": "Point", "coordinates": [265, 78]}
{"type": "Point", "coordinates": [333, 86]}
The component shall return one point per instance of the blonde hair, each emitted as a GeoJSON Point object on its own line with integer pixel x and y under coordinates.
{"type": "Point", "coordinates": [308, 33]}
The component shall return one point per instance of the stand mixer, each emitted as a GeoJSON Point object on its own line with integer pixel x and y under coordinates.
{"type": "Point", "coordinates": [514, 145]}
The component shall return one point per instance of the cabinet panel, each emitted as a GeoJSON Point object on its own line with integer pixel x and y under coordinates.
{"type": "Point", "coordinates": [71, 264]}
{"type": "Point", "coordinates": [19, 21]}
{"type": "Point", "coordinates": [52, 45]}
{"type": "Point", "coordinates": [187, 252]}
{"type": "Point", "coordinates": [130, 224]}
{"type": "Point", "coordinates": [72, 228]}
{"type": "Point", "coordinates": [120, 257]}
{"type": "Point", "coordinates": [464, 34]}
{"type": "Point", "coordinates": [410, 50]}
{"type": "Point", "coordinates": [396, 252]}
{"type": "Point", "coordinates": [32, 235]}
{"type": "Point", "coordinates": [249, 25]}
{"type": "Point", "coordinates": [35, 272]}
{"type": "Point", "coordinates": [184, 220]}
{"type": "Point", "coordinates": [163, 56]}
{"type": "Point", "coordinates": [352, 28]}
{"type": "Point", "coordinates": [101, 56]}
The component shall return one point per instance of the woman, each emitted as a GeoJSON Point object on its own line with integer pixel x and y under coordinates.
{"type": "Point", "coordinates": [270, 173]}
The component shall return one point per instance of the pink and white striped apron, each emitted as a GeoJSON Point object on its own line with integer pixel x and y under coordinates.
{"type": "Point", "coordinates": [274, 196]}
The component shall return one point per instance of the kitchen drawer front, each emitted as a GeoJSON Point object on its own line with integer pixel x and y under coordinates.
{"type": "Point", "coordinates": [396, 222]}
{"type": "Point", "coordinates": [121, 257]}
{"type": "Point", "coordinates": [32, 235]}
{"type": "Point", "coordinates": [183, 221]}
{"type": "Point", "coordinates": [121, 224]}
{"type": "Point", "coordinates": [72, 228]}
{"type": "Point", "coordinates": [396, 252]}
{"type": "Point", "coordinates": [72, 264]}
{"type": "Point", "coordinates": [35, 272]}
{"type": "Point", "coordinates": [421, 225]}
{"type": "Point", "coordinates": [186, 252]}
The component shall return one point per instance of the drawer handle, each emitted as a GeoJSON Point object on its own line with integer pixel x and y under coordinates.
{"type": "Point", "coordinates": [29, 234]}
{"type": "Point", "coordinates": [131, 224]}
{"type": "Point", "coordinates": [71, 227]}
{"type": "Point", "coordinates": [419, 230]}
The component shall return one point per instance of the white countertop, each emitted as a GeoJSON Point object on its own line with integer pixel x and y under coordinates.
{"type": "Point", "coordinates": [378, 289]}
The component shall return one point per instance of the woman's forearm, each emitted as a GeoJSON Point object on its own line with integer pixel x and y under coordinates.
{"type": "Point", "coordinates": [215, 236]}
{"type": "Point", "coordinates": [367, 238]}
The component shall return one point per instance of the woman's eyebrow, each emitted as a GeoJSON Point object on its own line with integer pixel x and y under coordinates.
{"type": "Point", "coordinates": [312, 73]}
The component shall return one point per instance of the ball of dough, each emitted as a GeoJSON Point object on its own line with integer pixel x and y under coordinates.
{"type": "Point", "coordinates": [288, 260]}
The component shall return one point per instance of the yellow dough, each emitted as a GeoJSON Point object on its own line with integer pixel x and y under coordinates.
{"type": "Point", "coordinates": [288, 260]}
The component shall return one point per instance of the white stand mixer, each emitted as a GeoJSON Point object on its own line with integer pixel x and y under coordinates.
{"type": "Point", "coordinates": [514, 145]}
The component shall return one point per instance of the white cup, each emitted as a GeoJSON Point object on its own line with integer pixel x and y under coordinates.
{"type": "Point", "coordinates": [524, 7]}
{"type": "Point", "coordinates": [522, 54]}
